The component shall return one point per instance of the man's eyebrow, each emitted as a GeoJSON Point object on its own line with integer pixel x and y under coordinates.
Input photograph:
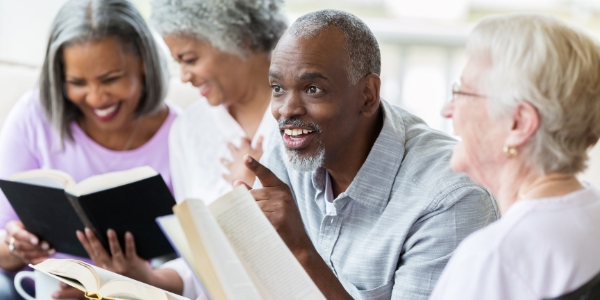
{"type": "Point", "coordinates": [274, 75]}
{"type": "Point", "coordinates": [314, 75]}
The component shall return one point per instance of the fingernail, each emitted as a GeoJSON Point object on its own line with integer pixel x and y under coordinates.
{"type": "Point", "coordinates": [88, 231]}
{"type": "Point", "coordinates": [45, 246]}
{"type": "Point", "coordinates": [249, 159]}
{"type": "Point", "coordinates": [55, 295]}
{"type": "Point", "coordinates": [51, 252]}
{"type": "Point", "coordinates": [34, 240]}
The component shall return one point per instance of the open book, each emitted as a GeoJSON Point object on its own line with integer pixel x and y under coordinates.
{"type": "Point", "coordinates": [52, 206]}
{"type": "Point", "coordinates": [98, 283]}
{"type": "Point", "coordinates": [235, 251]}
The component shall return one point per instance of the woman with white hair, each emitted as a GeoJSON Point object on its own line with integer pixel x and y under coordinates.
{"type": "Point", "coordinates": [99, 108]}
{"type": "Point", "coordinates": [527, 110]}
{"type": "Point", "coordinates": [224, 49]}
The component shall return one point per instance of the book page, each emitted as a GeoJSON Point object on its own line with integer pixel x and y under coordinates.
{"type": "Point", "coordinates": [271, 265]}
{"type": "Point", "coordinates": [109, 180]}
{"type": "Point", "coordinates": [48, 178]}
{"type": "Point", "coordinates": [73, 269]}
{"type": "Point", "coordinates": [99, 282]}
{"type": "Point", "coordinates": [174, 232]}
{"type": "Point", "coordinates": [232, 277]}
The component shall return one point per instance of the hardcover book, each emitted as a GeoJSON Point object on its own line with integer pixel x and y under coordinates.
{"type": "Point", "coordinates": [52, 206]}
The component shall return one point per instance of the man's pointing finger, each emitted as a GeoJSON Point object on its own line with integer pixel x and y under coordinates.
{"type": "Point", "coordinates": [266, 177]}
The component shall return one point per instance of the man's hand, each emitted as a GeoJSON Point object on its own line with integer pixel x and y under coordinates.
{"type": "Point", "coordinates": [26, 246]}
{"type": "Point", "coordinates": [277, 203]}
{"type": "Point", "coordinates": [126, 263]}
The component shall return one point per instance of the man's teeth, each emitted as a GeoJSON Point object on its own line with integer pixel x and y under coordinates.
{"type": "Point", "coordinates": [295, 132]}
{"type": "Point", "coordinates": [107, 111]}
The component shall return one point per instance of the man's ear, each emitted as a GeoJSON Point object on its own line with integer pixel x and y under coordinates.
{"type": "Point", "coordinates": [525, 122]}
{"type": "Point", "coordinates": [370, 103]}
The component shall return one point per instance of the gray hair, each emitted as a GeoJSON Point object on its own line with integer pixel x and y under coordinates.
{"type": "Point", "coordinates": [234, 26]}
{"type": "Point", "coordinates": [81, 21]}
{"type": "Point", "coordinates": [360, 43]}
{"type": "Point", "coordinates": [541, 60]}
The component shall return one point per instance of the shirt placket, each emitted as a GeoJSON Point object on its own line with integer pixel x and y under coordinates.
{"type": "Point", "coordinates": [329, 232]}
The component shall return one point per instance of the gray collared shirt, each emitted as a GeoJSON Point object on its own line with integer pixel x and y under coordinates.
{"type": "Point", "coordinates": [393, 230]}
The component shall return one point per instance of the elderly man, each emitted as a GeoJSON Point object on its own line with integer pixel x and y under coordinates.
{"type": "Point", "coordinates": [361, 191]}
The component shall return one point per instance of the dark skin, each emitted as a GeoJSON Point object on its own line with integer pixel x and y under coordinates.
{"type": "Point", "coordinates": [310, 83]}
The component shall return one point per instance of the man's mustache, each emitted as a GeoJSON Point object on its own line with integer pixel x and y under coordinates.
{"type": "Point", "coordinates": [299, 123]}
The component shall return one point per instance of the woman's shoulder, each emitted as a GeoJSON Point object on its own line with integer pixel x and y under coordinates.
{"type": "Point", "coordinates": [27, 112]}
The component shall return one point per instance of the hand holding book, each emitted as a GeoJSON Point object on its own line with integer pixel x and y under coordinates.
{"type": "Point", "coordinates": [125, 262]}
{"type": "Point", "coordinates": [24, 245]}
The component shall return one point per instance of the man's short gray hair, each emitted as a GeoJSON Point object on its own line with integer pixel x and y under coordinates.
{"type": "Point", "coordinates": [234, 26]}
{"type": "Point", "coordinates": [541, 60]}
{"type": "Point", "coordinates": [360, 43]}
{"type": "Point", "coordinates": [80, 21]}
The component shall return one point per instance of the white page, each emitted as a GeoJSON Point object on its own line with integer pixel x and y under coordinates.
{"type": "Point", "coordinates": [174, 232]}
{"type": "Point", "coordinates": [48, 178]}
{"type": "Point", "coordinates": [70, 268]}
{"type": "Point", "coordinates": [234, 279]}
{"type": "Point", "coordinates": [271, 265]}
{"type": "Point", "coordinates": [109, 180]}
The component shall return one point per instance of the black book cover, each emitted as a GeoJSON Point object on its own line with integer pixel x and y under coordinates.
{"type": "Point", "coordinates": [54, 215]}
{"type": "Point", "coordinates": [133, 207]}
{"type": "Point", "coordinates": [47, 213]}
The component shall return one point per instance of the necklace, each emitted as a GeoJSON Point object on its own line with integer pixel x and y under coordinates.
{"type": "Point", "coordinates": [127, 145]}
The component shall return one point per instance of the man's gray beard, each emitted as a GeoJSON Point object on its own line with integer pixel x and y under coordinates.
{"type": "Point", "coordinates": [301, 164]}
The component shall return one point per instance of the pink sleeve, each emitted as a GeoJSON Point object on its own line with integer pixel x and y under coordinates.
{"type": "Point", "coordinates": [16, 148]}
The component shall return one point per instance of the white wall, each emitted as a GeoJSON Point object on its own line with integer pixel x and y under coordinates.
{"type": "Point", "coordinates": [24, 28]}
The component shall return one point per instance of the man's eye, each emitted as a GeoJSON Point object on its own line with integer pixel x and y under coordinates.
{"type": "Point", "coordinates": [313, 89]}
{"type": "Point", "coordinates": [276, 88]}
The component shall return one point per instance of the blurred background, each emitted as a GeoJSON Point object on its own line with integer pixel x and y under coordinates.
{"type": "Point", "coordinates": [421, 42]}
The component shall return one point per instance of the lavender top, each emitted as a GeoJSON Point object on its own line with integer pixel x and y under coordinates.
{"type": "Point", "coordinates": [28, 141]}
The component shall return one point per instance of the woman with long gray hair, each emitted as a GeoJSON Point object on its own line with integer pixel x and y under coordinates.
{"type": "Point", "coordinates": [99, 108]}
{"type": "Point", "coordinates": [224, 49]}
{"type": "Point", "coordinates": [527, 110]}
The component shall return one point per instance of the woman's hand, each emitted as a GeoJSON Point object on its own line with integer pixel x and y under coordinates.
{"type": "Point", "coordinates": [68, 292]}
{"type": "Point", "coordinates": [126, 263]}
{"type": "Point", "coordinates": [237, 169]}
{"type": "Point", "coordinates": [26, 246]}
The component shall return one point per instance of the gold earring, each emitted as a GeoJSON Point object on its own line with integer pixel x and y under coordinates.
{"type": "Point", "coordinates": [510, 152]}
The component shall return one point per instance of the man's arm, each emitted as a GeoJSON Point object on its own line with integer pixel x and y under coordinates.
{"type": "Point", "coordinates": [436, 235]}
{"type": "Point", "coordinates": [276, 201]}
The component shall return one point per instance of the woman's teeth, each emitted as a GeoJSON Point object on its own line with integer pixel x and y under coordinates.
{"type": "Point", "coordinates": [106, 111]}
{"type": "Point", "coordinates": [296, 132]}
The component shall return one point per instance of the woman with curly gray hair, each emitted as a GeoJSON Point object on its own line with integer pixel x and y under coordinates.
{"type": "Point", "coordinates": [224, 49]}
{"type": "Point", "coordinates": [527, 110]}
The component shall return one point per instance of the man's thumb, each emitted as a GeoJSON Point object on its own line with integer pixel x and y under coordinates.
{"type": "Point", "coordinates": [266, 177]}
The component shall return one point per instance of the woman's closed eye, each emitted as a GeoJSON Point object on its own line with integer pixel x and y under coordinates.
{"type": "Point", "coordinates": [111, 79]}
{"type": "Point", "coordinates": [76, 82]}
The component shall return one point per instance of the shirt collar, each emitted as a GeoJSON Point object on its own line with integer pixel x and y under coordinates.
{"type": "Point", "coordinates": [373, 183]}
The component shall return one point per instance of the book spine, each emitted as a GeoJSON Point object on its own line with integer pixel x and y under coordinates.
{"type": "Point", "coordinates": [84, 218]}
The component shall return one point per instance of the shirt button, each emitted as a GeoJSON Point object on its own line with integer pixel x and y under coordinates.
{"type": "Point", "coordinates": [331, 222]}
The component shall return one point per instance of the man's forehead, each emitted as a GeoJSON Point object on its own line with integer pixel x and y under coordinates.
{"type": "Point", "coordinates": [324, 50]}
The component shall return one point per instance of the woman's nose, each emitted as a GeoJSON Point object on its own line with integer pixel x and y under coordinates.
{"type": "Point", "coordinates": [96, 97]}
{"type": "Point", "coordinates": [448, 109]}
{"type": "Point", "coordinates": [186, 76]}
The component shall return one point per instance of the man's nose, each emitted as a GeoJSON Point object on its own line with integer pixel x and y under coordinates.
{"type": "Point", "coordinates": [293, 106]}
